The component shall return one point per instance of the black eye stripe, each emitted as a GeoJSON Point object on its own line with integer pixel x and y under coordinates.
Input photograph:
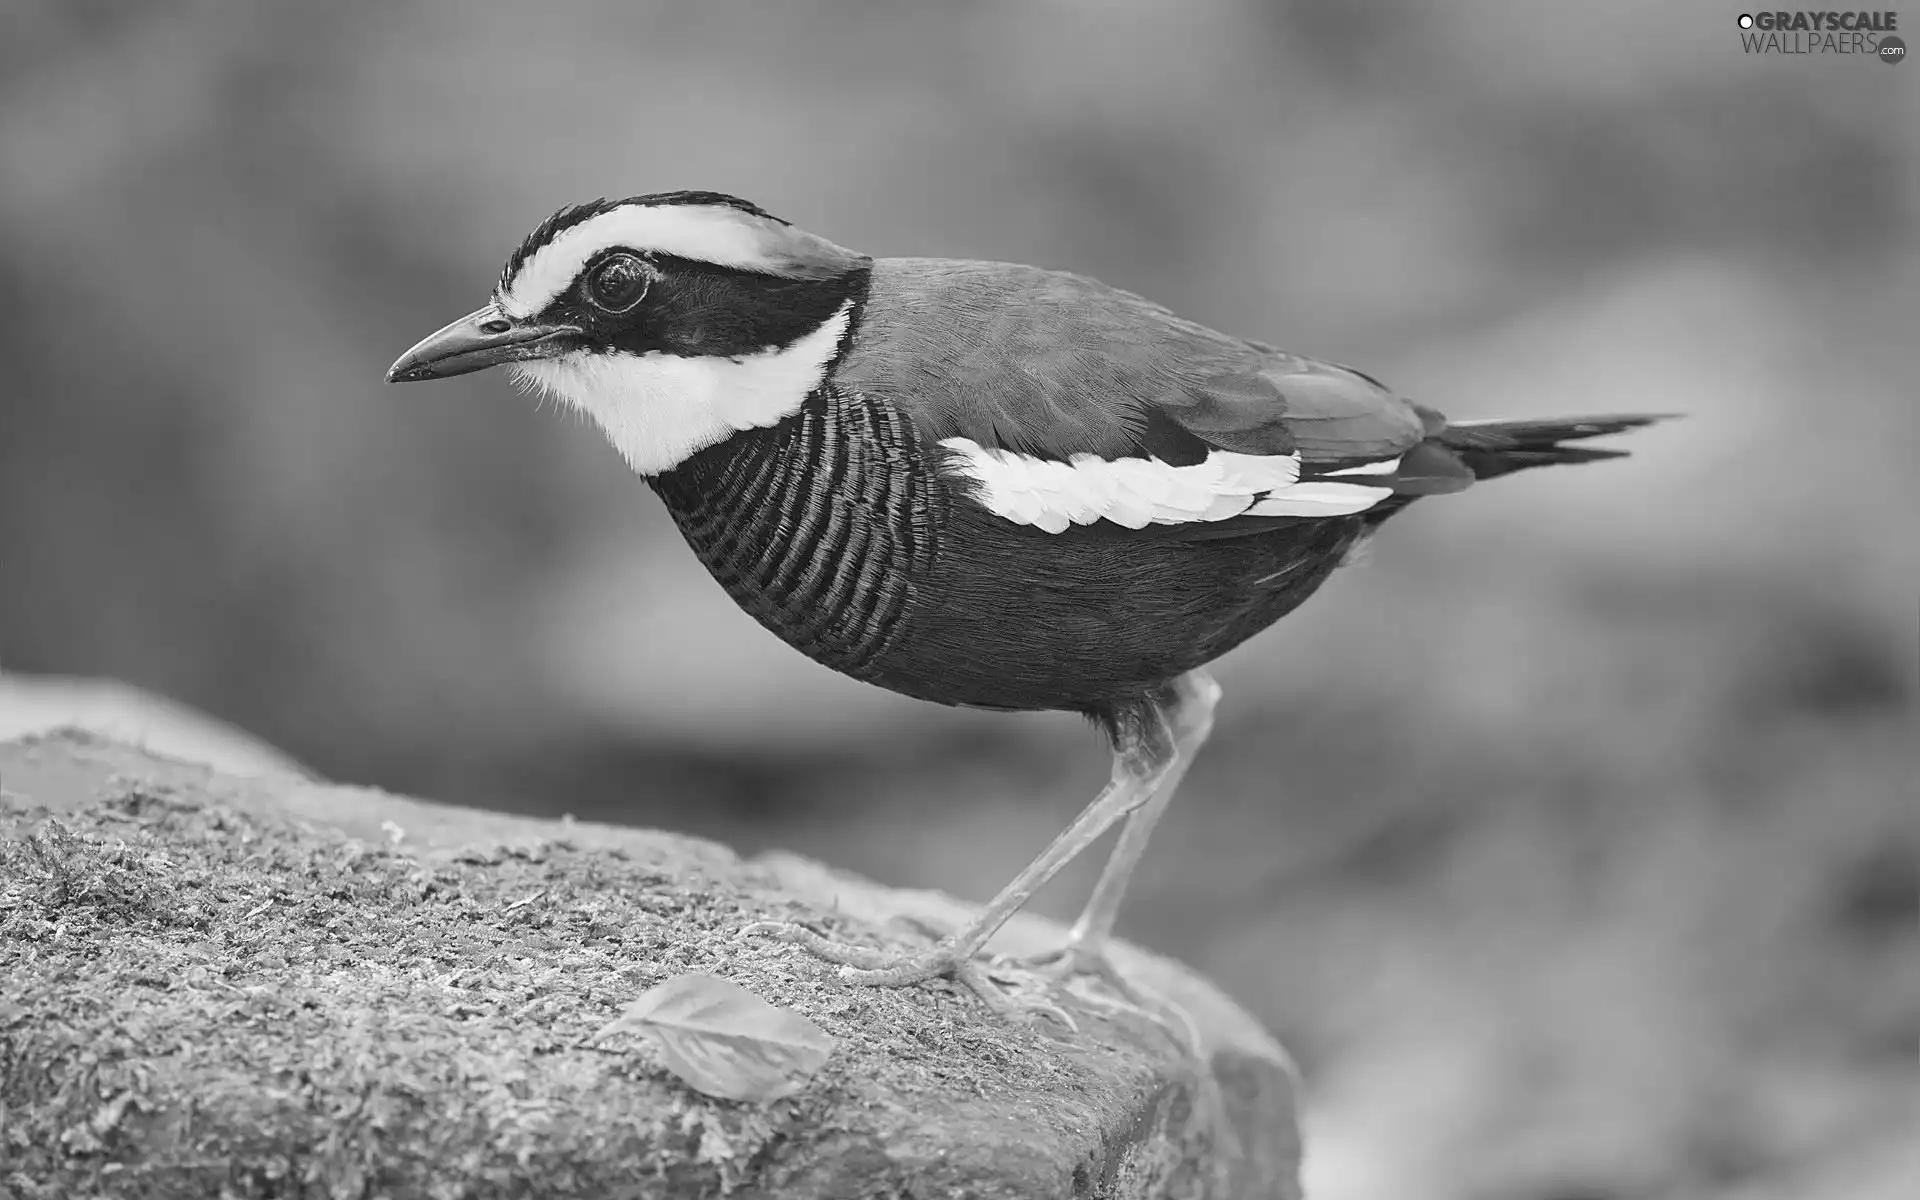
{"type": "Point", "coordinates": [689, 308]}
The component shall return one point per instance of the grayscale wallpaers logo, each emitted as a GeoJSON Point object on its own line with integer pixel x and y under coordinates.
{"type": "Point", "coordinates": [1865, 34]}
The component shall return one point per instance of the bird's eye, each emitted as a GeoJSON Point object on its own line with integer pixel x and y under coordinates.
{"type": "Point", "coordinates": [617, 284]}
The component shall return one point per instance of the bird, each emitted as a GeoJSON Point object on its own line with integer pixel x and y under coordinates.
{"type": "Point", "coordinates": [974, 483]}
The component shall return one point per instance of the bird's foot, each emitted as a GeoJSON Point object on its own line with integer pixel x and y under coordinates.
{"type": "Point", "coordinates": [1082, 958]}
{"type": "Point", "coordinates": [867, 967]}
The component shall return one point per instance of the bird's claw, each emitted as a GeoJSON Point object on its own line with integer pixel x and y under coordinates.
{"type": "Point", "coordinates": [844, 953]}
{"type": "Point", "coordinates": [867, 967]}
{"type": "Point", "coordinates": [1076, 963]}
{"type": "Point", "coordinates": [1079, 961]}
{"type": "Point", "coordinates": [1075, 957]}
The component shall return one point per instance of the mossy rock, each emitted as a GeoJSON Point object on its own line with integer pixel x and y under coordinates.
{"type": "Point", "coordinates": [220, 985]}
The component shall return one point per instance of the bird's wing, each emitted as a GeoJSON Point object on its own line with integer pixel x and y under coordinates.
{"type": "Point", "coordinates": [1066, 402]}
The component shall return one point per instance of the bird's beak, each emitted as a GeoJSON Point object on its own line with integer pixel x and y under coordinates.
{"type": "Point", "coordinates": [478, 340]}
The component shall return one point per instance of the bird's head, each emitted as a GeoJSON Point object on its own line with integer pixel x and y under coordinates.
{"type": "Point", "coordinates": [673, 320]}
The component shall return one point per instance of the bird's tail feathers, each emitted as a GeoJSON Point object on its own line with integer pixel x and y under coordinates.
{"type": "Point", "coordinates": [1492, 448]}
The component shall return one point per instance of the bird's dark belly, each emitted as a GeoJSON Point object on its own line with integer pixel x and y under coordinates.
{"type": "Point", "coordinates": [1014, 617]}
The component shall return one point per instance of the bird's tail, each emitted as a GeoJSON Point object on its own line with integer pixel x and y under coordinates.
{"type": "Point", "coordinates": [1492, 448]}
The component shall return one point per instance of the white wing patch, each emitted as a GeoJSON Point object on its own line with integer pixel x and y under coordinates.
{"type": "Point", "coordinates": [714, 233]}
{"type": "Point", "coordinates": [659, 409]}
{"type": "Point", "coordinates": [1385, 466]}
{"type": "Point", "coordinates": [1137, 492]}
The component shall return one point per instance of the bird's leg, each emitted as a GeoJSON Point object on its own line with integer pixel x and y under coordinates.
{"type": "Point", "coordinates": [1144, 755]}
{"type": "Point", "coordinates": [1187, 704]}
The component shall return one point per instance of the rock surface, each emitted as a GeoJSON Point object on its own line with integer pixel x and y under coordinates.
{"type": "Point", "coordinates": [220, 985]}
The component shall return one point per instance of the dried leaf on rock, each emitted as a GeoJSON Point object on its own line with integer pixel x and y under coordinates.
{"type": "Point", "coordinates": [722, 1040]}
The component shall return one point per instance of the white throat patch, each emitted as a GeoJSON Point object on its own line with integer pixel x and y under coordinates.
{"type": "Point", "coordinates": [1137, 492]}
{"type": "Point", "coordinates": [658, 409]}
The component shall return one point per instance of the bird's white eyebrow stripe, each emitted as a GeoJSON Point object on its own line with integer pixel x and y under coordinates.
{"type": "Point", "coordinates": [1137, 492]}
{"type": "Point", "coordinates": [712, 233]}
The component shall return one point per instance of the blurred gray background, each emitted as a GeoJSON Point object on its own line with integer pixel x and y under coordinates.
{"type": "Point", "coordinates": [1571, 845]}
